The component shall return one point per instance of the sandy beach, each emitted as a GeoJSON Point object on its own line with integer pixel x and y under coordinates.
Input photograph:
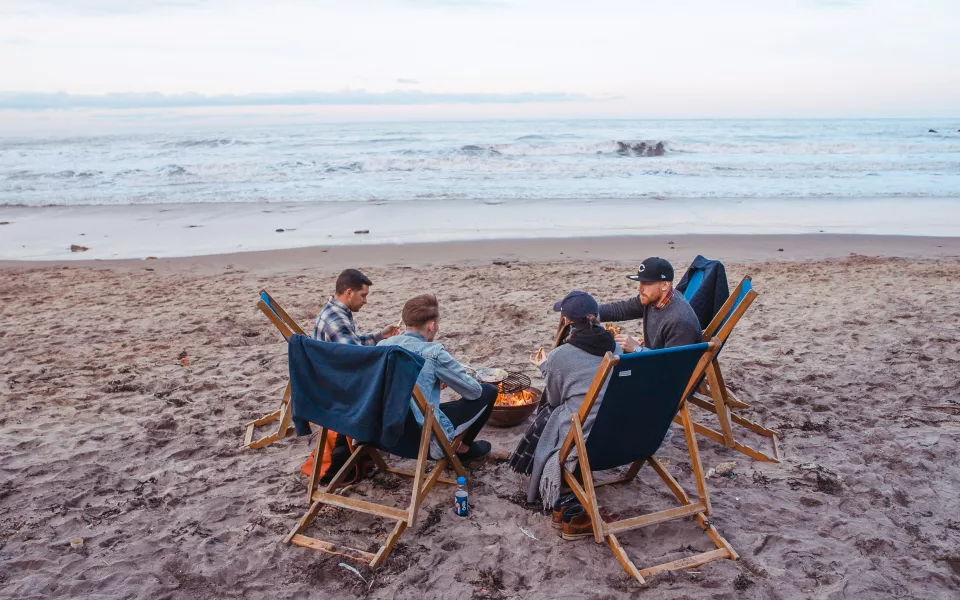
{"type": "Point", "coordinates": [851, 352]}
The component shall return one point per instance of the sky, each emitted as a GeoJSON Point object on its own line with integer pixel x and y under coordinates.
{"type": "Point", "coordinates": [119, 61]}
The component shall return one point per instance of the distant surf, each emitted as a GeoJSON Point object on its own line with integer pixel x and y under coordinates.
{"type": "Point", "coordinates": [502, 161]}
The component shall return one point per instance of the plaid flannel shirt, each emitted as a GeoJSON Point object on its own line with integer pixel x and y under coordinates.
{"type": "Point", "coordinates": [335, 324]}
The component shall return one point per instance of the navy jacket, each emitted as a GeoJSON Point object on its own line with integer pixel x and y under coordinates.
{"type": "Point", "coordinates": [713, 291]}
{"type": "Point", "coordinates": [362, 392]}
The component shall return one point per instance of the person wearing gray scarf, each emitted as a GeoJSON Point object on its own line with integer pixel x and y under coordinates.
{"type": "Point", "coordinates": [568, 372]}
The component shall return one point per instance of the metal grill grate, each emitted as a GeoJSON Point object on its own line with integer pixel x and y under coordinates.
{"type": "Point", "coordinates": [514, 383]}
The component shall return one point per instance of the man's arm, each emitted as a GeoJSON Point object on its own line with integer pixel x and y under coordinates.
{"type": "Point", "coordinates": [452, 373]}
{"type": "Point", "coordinates": [624, 310]}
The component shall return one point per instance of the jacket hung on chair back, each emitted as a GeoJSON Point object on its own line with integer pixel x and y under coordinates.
{"type": "Point", "coordinates": [362, 392]}
{"type": "Point", "coordinates": [705, 287]}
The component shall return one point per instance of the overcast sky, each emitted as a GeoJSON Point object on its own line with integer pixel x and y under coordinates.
{"type": "Point", "coordinates": [67, 59]}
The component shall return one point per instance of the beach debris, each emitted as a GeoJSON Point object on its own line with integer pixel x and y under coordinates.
{"type": "Point", "coordinates": [527, 533]}
{"type": "Point", "coordinates": [361, 231]}
{"type": "Point", "coordinates": [724, 469]}
{"type": "Point", "coordinates": [931, 131]}
{"type": "Point", "coordinates": [930, 440]}
{"type": "Point", "coordinates": [184, 359]}
{"type": "Point", "coordinates": [353, 570]}
{"type": "Point", "coordinates": [8, 222]}
{"type": "Point", "coordinates": [943, 406]}
{"type": "Point", "coordinates": [779, 249]}
{"type": "Point", "coordinates": [150, 258]}
{"type": "Point", "coordinates": [826, 481]}
{"type": "Point", "coordinates": [76, 543]}
{"type": "Point", "coordinates": [279, 231]}
{"type": "Point", "coordinates": [741, 582]}
{"type": "Point", "coordinates": [76, 248]}
{"type": "Point", "coordinates": [193, 226]}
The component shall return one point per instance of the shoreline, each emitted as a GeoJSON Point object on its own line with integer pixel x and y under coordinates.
{"type": "Point", "coordinates": [190, 230]}
{"type": "Point", "coordinates": [679, 249]}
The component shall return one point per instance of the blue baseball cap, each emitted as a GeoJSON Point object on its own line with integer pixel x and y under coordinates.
{"type": "Point", "coordinates": [577, 305]}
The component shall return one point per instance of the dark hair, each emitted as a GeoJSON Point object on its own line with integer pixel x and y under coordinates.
{"type": "Point", "coordinates": [420, 310]}
{"type": "Point", "coordinates": [351, 279]}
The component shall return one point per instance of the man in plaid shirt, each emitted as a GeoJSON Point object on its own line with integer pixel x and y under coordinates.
{"type": "Point", "coordinates": [335, 321]}
{"type": "Point", "coordinates": [335, 324]}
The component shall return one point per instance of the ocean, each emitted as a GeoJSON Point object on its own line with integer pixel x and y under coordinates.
{"type": "Point", "coordinates": [546, 178]}
{"type": "Point", "coordinates": [492, 160]}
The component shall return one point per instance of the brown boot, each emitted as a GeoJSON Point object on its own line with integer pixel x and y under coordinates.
{"type": "Point", "coordinates": [562, 505]}
{"type": "Point", "coordinates": [576, 524]}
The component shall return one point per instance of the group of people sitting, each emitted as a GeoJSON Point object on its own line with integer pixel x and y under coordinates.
{"type": "Point", "coordinates": [668, 320]}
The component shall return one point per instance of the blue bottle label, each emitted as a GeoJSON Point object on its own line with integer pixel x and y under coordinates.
{"type": "Point", "coordinates": [461, 506]}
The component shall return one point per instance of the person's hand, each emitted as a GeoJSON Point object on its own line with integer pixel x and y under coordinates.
{"type": "Point", "coordinates": [538, 357]}
{"type": "Point", "coordinates": [628, 343]}
{"type": "Point", "coordinates": [389, 331]}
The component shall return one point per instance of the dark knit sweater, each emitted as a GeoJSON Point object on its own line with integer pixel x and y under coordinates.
{"type": "Point", "coordinates": [673, 325]}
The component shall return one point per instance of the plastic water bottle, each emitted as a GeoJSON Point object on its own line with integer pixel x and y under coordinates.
{"type": "Point", "coordinates": [461, 506]}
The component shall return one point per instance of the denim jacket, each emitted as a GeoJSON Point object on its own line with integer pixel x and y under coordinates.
{"type": "Point", "coordinates": [440, 367]}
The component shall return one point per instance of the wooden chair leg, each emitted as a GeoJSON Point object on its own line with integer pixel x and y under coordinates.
{"type": "Point", "coordinates": [670, 481]}
{"type": "Point", "coordinates": [698, 474]}
{"type": "Point", "coordinates": [283, 414]}
{"type": "Point", "coordinates": [388, 545]}
{"type": "Point", "coordinates": [345, 469]}
{"type": "Point", "coordinates": [421, 468]}
{"type": "Point", "coordinates": [592, 506]}
{"type": "Point", "coordinates": [716, 436]}
{"type": "Point", "coordinates": [624, 560]}
{"type": "Point", "coordinates": [728, 397]}
{"type": "Point", "coordinates": [723, 413]}
{"type": "Point", "coordinates": [317, 463]}
{"type": "Point", "coordinates": [627, 477]}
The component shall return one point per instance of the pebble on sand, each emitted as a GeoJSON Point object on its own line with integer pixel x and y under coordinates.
{"type": "Point", "coordinates": [76, 248]}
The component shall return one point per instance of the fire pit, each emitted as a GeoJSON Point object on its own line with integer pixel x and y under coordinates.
{"type": "Point", "coordinates": [515, 402]}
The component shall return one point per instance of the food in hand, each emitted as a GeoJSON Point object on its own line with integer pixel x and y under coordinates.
{"type": "Point", "coordinates": [613, 328]}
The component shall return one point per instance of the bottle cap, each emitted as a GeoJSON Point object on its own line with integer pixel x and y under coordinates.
{"type": "Point", "coordinates": [461, 480]}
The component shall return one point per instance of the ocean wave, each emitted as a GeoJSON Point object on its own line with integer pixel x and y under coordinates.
{"type": "Point", "coordinates": [173, 171]}
{"type": "Point", "coordinates": [809, 148]}
{"type": "Point", "coordinates": [66, 174]}
{"type": "Point", "coordinates": [637, 148]}
{"type": "Point", "coordinates": [206, 143]}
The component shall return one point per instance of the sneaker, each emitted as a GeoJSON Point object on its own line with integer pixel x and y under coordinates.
{"type": "Point", "coordinates": [562, 505]}
{"type": "Point", "coordinates": [478, 449]}
{"type": "Point", "coordinates": [576, 524]}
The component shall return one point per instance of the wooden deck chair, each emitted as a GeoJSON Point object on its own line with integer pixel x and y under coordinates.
{"type": "Point", "coordinates": [414, 444]}
{"type": "Point", "coordinates": [711, 393]}
{"type": "Point", "coordinates": [287, 327]}
{"type": "Point", "coordinates": [645, 391]}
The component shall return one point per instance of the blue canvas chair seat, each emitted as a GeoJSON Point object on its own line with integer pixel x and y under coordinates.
{"type": "Point", "coordinates": [287, 326]}
{"type": "Point", "coordinates": [413, 443]}
{"type": "Point", "coordinates": [696, 278]}
{"type": "Point", "coordinates": [646, 390]}
{"type": "Point", "coordinates": [711, 392]}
